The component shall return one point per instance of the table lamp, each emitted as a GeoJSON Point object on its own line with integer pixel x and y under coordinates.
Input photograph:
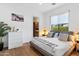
{"type": "Point", "coordinates": [77, 37]}
{"type": "Point", "coordinates": [44, 32]}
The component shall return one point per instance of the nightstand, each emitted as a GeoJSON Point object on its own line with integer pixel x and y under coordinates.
{"type": "Point", "coordinates": [77, 46]}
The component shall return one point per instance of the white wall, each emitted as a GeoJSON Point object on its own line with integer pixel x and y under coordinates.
{"type": "Point", "coordinates": [74, 15]}
{"type": "Point", "coordinates": [28, 11]}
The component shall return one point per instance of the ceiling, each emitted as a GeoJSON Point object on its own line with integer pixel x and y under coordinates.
{"type": "Point", "coordinates": [48, 6]}
{"type": "Point", "coordinates": [43, 7]}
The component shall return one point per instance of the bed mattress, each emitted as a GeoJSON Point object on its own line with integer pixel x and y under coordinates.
{"type": "Point", "coordinates": [59, 50]}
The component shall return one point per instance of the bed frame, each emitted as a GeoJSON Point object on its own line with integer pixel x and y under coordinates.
{"type": "Point", "coordinates": [47, 53]}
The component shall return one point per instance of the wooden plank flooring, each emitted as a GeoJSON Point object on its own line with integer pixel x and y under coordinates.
{"type": "Point", "coordinates": [74, 53]}
{"type": "Point", "coordinates": [26, 50]}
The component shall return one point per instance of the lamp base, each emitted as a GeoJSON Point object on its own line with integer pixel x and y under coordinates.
{"type": "Point", "coordinates": [43, 35]}
{"type": "Point", "coordinates": [77, 41]}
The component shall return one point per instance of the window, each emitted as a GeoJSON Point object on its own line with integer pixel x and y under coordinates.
{"type": "Point", "coordinates": [59, 23]}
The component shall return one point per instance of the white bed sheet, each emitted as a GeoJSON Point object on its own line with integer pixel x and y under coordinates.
{"type": "Point", "coordinates": [60, 50]}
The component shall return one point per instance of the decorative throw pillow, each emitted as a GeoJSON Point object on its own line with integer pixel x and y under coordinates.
{"type": "Point", "coordinates": [69, 38]}
{"type": "Point", "coordinates": [56, 35]}
{"type": "Point", "coordinates": [50, 34]}
{"type": "Point", "coordinates": [63, 37]}
{"type": "Point", "coordinates": [53, 34]}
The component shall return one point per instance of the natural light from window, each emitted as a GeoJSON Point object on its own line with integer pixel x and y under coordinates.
{"type": "Point", "coordinates": [59, 23]}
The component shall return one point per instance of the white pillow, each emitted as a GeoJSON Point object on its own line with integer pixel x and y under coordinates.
{"type": "Point", "coordinates": [50, 34]}
{"type": "Point", "coordinates": [56, 35]}
{"type": "Point", "coordinates": [63, 37]}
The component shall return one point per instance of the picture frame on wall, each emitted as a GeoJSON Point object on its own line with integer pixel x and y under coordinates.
{"type": "Point", "coordinates": [16, 17]}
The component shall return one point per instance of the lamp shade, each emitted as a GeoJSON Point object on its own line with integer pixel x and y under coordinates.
{"type": "Point", "coordinates": [77, 36]}
{"type": "Point", "coordinates": [44, 31]}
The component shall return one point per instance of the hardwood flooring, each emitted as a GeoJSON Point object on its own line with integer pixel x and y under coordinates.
{"type": "Point", "coordinates": [26, 50]}
{"type": "Point", "coordinates": [74, 53]}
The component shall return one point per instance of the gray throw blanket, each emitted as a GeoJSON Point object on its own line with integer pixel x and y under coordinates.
{"type": "Point", "coordinates": [46, 42]}
{"type": "Point", "coordinates": [52, 45]}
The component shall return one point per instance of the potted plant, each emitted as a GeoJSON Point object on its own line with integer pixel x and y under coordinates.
{"type": "Point", "coordinates": [4, 28]}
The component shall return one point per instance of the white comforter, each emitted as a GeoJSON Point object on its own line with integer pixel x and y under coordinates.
{"type": "Point", "coordinates": [61, 48]}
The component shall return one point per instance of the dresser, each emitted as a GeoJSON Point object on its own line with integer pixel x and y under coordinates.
{"type": "Point", "coordinates": [14, 39]}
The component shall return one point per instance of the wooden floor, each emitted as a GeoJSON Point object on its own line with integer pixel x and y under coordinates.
{"type": "Point", "coordinates": [26, 50]}
{"type": "Point", "coordinates": [74, 53]}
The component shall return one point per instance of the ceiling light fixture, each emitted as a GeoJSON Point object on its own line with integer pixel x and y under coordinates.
{"type": "Point", "coordinates": [53, 3]}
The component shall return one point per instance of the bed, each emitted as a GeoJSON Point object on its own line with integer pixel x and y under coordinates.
{"type": "Point", "coordinates": [52, 46]}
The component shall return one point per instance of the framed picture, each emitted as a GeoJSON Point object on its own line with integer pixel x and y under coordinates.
{"type": "Point", "coordinates": [16, 17]}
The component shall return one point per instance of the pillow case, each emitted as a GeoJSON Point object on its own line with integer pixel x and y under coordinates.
{"type": "Point", "coordinates": [71, 38]}
{"type": "Point", "coordinates": [50, 34]}
{"type": "Point", "coordinates": [53, 34]}
{"type": "Point", "coordinates": [63, 37]}
{"type": "Point", "coordinates": [56, 35]}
